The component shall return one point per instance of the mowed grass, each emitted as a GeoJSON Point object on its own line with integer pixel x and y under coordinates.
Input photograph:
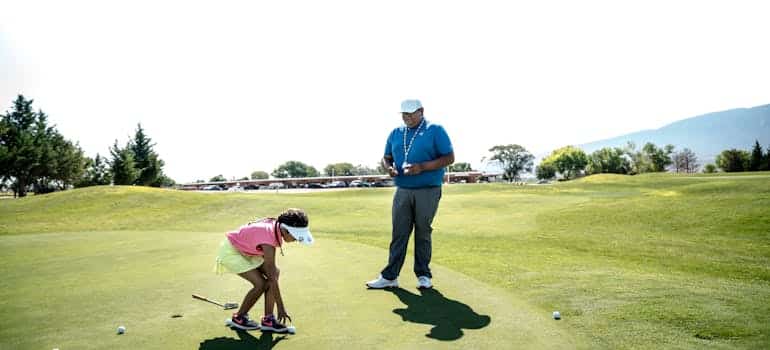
{"type": "Point", "coordinates": [654, 261]}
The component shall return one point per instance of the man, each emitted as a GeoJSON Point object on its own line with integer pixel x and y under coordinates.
{"type": "Point", "coordinates": [415, 156]}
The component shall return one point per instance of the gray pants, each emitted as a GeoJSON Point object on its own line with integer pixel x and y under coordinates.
{"type": "Point", "coordinates": [412, 208]}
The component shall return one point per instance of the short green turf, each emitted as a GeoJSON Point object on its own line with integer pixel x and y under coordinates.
{"type": "Point", "coordinates": [653, 261]}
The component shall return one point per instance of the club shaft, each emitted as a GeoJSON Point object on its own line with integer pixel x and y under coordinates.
{"type": "Point", "coordinates": [206, 299]}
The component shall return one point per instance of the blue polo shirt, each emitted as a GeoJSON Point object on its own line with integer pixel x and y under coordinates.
{"type": "Point", "coordinates": [430, 143]}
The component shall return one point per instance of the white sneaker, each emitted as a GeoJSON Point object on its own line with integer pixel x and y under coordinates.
{"type": "Point", "coordinates": [423, 282]}
{"type": "Point", "coordinates": [381, 283]}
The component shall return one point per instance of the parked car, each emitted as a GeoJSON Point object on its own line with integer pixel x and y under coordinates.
{"type": "Point", "coordinates": [276, 185]}
{"type": "Point", "coordinates": [359, 183]}
{"type": "Point", "coordinates": [314, 185]}
{"type": "Point", "coordinates": [386, 183]}
{"type": "Point", "coordinates": [212, 188]}
{"type": "Point", "coordinates": [335, 184]}
{"type": "Point", "coordinates": [251, 187]}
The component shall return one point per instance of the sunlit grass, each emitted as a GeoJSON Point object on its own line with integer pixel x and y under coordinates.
{"type": "Point", "coordinates": [653, 261]}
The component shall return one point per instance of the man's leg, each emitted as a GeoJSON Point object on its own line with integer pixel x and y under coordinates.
{"type": "Point", "coordinates": [426, 205]}
{"type": "Point", "coordinates": [402, 218]}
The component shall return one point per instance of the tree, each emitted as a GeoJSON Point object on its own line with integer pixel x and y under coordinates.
{"type": "Point", "coordinates": [361, 169]}
{"type": "Point", "coordinates": [767, 160]}
{"type": "Point", "coordinates": [609, 160]}
{"type": "Point", "coordinates": [659, 158]}
{"type": "Point", "coordinates": [755, 163]}
{"type": "Point", "coordinates": [68, 164]}
{"type": "Point", "coordinates": [339, 169]}
{"type": "Point", "coordinates": [710, 169]}
{"type": "Point", "coordinates": [257, 175]}
{"type": "Point", "coordinates": [166, 181]}
{"type": "Point", "coordinates": [96, 173]}
{"type": "Point", "coordinates": [733, 160]}
{"type": "Point", "coordinates": [638, 162]}
{"type": "Point", "coordinates": [568, 161]}
{"type": "Point", "coordinates": [34, 154]}
{"type": "Point", "coordinates": [20, 154]}
{"type": "Point", "coordinates": [685, 161]}
{"type": "Point", "coordinates": [149, 166]}
{"type": "Point", "coordinates": [514, 158]}
{"type": "Point", "coordinates": [122, 165]}
{"type": "Point", "coordinates": [381, 169]}
{"type": "Point", "coordinates": [545, 171]}
{"type": "Point", "coordinates": [218, 178]}
{"type": "Point", "coordinates": [459, 167]}
{"type": "Point", "coordinates": [294, 169]}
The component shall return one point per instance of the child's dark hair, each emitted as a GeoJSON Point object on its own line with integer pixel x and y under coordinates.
{"type": "Point", "coordinates": [294, 217]}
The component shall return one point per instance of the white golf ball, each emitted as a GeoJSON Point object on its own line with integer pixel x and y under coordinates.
{"type": "Point", "coordinates": [121, 330]}
{"type": "Point", "coordinates": [556, 315]}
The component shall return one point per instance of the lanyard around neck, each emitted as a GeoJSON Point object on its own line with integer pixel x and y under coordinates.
{"type": "Point", "coordinates": [408, 147]}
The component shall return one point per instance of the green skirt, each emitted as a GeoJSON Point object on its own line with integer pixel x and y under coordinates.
{"type": "Point", "coordinates": [230, 259]}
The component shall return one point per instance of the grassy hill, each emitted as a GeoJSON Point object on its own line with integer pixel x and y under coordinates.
{"type": "Point", "coordinates": [652, 261]}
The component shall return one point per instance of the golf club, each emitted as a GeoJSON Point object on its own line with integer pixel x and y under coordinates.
{"type": "Point", "coordinates": [226, 306]}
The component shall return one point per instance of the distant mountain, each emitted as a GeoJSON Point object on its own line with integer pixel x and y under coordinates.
{"type": "Point", "coordinates": [707, 135]}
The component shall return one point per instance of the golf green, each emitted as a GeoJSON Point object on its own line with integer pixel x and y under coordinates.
{"type": "Point", "coordinates": [146, 287]}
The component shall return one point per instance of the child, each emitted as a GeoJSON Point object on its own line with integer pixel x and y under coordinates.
{"type": "Point", "coordinates": [250, 253]}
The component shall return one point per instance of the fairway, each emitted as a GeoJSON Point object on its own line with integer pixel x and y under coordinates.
{"type": "Point", "coordinates": [658, 261]}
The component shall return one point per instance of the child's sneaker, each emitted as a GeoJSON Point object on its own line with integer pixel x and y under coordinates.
{"type": "Point", "coordinates": [269, 323]}
{"type": "Point", "coordinates": [243, 322]}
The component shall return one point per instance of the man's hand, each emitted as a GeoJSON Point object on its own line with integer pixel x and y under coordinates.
{"type": "Point", "coordinates": [413, 169]}
{"type": "Point", "coordinates": [392, 171]}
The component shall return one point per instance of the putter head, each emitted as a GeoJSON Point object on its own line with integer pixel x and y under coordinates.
{"type": "Point", "coordinates": [291, 330]}
{"type": "Point", "coordinates": [229, 306]}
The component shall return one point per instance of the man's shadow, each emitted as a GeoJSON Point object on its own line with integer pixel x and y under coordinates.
{"type": "Point", "coordinates": [247, 341]}
{"type": "Point", "coordinates": [448, 317]}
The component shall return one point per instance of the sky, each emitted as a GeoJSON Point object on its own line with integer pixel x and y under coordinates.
{"type": "Point", "coordinates": [230, 87]}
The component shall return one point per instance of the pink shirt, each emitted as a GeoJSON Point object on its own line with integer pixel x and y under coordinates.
{"type": "Point", "coordinates": [248, 238]}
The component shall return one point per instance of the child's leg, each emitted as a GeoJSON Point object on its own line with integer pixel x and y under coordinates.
{"type": "Point", "coordinates": [269, 293]}
{"type": "Point", "coordinates": [259, 283]}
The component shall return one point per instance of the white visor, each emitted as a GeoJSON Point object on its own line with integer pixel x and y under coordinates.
{"type": "Point", "coordinates": [301, 234]}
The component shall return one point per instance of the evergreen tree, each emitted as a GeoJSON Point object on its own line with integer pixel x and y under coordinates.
{"type": "Point", "coordinates": [756, 157]}
{"type": "Point", "coordinates": [122, 165]}
{"type": "Point", "coordinates": [96, 173]}
{"type": "Point", "coordinates": [69, 165]}
{"type": "Point", "coordinates": [766, 165]}
{"type": "Point", "coordinates": [149, 167]}
{"type": "Point", "coordinates": [19, 153]}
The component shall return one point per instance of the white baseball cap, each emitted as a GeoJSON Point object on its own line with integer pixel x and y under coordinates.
{"type": "Point", "coordinates": [301, 234]}
{"type": "Point", "coordinates": [409, 106]}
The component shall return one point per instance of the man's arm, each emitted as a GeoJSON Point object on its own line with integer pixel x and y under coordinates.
{"type": "Point", "coordinates": [438, 163]}
{"type": "Point", "coordinates": [387, 163]}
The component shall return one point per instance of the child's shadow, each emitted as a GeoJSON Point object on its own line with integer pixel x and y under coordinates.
{"type": "Point", "coordinates": [247, 341]}
{"type": "Point", "coordinates": [448, 316]}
